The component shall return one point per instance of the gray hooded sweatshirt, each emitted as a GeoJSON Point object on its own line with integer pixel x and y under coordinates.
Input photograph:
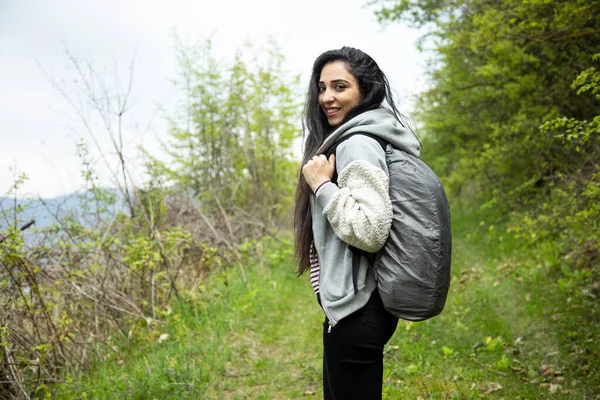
{"type": "Point", "coordinates": [357, 211]}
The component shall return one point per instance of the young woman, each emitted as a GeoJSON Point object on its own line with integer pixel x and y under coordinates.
{"type": "Point", "coordinates": [348, 96]}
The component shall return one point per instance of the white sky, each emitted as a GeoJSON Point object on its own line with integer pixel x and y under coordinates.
{"type": "Point", "coordinates": [38, 130]}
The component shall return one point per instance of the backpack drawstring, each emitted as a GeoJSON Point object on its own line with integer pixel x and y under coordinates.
{"type": "Point", "coordinates": [356, 255]}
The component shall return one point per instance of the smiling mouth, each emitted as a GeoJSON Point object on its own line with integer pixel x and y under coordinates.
{"type": "Point", "coordinates": [331, 111]}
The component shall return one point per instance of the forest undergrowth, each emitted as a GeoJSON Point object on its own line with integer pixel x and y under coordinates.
{"type": "Point", "coordinates": [506, 333]}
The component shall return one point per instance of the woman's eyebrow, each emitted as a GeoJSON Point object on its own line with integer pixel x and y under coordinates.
{"type": "Point", "coordinates": [335, 81]}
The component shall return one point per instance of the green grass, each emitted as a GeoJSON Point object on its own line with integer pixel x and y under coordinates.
{"type": "Point", "coordinates": [228, 340]}
{"type": "Point", "coordinates": [507, 333]}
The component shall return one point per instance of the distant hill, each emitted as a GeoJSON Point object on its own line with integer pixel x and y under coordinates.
{"type": "Point", "coordinates": [44, 211]}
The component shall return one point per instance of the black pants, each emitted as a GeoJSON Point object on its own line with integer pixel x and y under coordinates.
{"type": "Point", "coordinates": [353, 353]}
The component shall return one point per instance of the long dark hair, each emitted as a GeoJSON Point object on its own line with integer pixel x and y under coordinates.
{"type": "Point", "coordinates": [374, 91]}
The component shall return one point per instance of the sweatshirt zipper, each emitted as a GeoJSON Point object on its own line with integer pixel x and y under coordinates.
{"type": "Point", "coordinates": [331, 324]}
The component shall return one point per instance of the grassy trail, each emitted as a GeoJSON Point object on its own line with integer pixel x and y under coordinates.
{"type": "Point", "coordinates": [262, 340]}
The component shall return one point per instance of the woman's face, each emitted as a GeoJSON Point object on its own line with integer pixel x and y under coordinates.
{"type": "Point", "coordinates": [338, 92]}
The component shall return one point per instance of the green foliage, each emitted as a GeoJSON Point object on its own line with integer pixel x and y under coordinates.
{"type": "Point", "coordinates": [11, 215]}
{"type": "Point", "coordinates": [85, 282]}
{"type": "Point", "coordinates": [500, 69]}
{"type": "Point", "coordinates": [511, 118]}
{"type": "Point", "coordinates": [232, 145]}
{"type": "Point", "coordinates": [570, 213]}
{"type": "Point", "coordinates": [93, 200]}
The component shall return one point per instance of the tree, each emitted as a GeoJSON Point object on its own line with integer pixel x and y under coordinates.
{"type": "Point", "coordinates": [500, 70]}
{"type": "Point", "coordinates": [232, 147]}
{"type": "Point", "coordinates": [97, 97]}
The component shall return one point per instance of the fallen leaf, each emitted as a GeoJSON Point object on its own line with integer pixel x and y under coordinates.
{"type": "Point", "coordinates": [518, 369]}
{"type": "Point", "coordinates": [546, 370]}
{"type": "Point", "coordinates": [552, 387]}
{"type": "Point", "coordinates": [518, 340]}
{"type": "Point", "coordinates": [163, 337]}
{"type": "Point", "coordinates": [493, 387]}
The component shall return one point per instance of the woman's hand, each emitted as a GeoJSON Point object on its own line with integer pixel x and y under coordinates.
{"type": "Point", "coordinates": [318, 170]}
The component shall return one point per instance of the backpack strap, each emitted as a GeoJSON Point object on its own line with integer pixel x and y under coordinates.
{"type": "Point", "coordinates": [356, 256]}
{"type": "Point", "coordinates": [382, 142]}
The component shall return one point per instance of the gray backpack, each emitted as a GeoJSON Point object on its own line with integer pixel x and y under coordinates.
{"type": "Point", "coordinates": [413, 268]}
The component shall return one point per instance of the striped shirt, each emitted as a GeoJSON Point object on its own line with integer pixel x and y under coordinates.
{"type": "Point", "coordinates": [313, 258]}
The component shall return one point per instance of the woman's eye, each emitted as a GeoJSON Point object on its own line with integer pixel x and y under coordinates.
{"type": "Point", "coordinates": [340, 87]}
{"type": "Point", "coordinates": [321, 89]}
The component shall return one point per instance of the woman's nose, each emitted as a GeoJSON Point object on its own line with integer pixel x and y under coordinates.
{"type": "Point", "coordinates": [328, 97]}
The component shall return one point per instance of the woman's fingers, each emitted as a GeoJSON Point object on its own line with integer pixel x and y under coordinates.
{"type": "Point", "coordinates": [323, 158]}
{"type": "Point", "coordinates": [318, 169]}
{"type": "Point", "coordinates": [321, 161]}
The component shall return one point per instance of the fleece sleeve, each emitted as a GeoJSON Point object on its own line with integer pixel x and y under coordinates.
{"type": "Point", "coordinates": [359, 208]}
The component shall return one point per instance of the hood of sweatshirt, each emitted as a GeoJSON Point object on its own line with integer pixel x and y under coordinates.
{"type": "Point", "coordinates": [379, 122]}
